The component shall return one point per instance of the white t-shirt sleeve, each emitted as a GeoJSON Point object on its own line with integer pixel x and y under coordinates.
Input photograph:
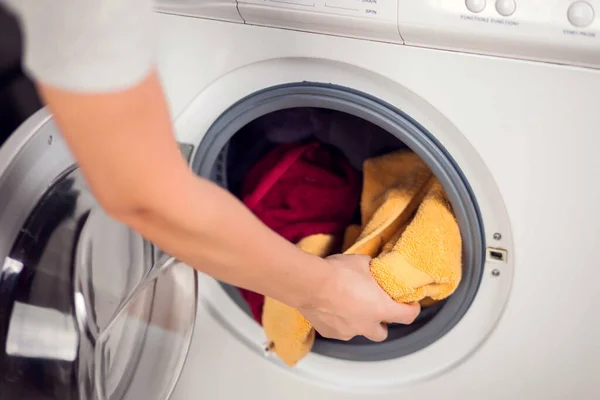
{"type": "Point", "coordinates": [87, 45]}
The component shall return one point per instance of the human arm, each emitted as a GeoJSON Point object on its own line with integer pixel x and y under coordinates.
{"type": "Point", "coordinates": [153, 190]}
{"type": "Point", "coordinates": [108, 102]}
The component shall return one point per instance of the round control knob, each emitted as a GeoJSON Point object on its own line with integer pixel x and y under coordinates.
{"type": "Point", "coordinates": [506, 8]}
{"type": "Point", "coordinates": [475, 6]}
{"type": "Point", "coordinates": [581, 14]}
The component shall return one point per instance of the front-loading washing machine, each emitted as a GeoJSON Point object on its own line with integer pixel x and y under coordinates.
{"type": "Point", "coordinates": [496, 97]}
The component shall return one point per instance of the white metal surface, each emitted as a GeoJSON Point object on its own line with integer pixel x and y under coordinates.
{"type": "Point", "coordinates": [371, 19]}
{"type": "Point", "coordinates": [225, 10]}
{"type": "Point", "coordinates": [552, 30]}
{"type": "Point", "coordinates": [559, 31]}
{"type": "Point", "coordinates": [533, 125]}
{"type": "Point", "coordinates": [489, 304]}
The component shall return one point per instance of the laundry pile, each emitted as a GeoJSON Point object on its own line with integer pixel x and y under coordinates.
{"type": "Point", "coordinates": [299, 191]}
{"type": "Point", "coordinates": [309, 192]}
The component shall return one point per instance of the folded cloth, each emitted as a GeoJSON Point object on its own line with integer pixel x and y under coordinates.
{"type": "Point", "coordinates": [299, 191]}
{"type": "Point", "coordinates": [409, 229]}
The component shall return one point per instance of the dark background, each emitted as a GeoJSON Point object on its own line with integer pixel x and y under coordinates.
{"type": "Point", "coordinates": [18, 97]}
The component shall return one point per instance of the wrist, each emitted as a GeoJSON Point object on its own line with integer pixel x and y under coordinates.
{"type": "Point", "coordinates": [308, 286]}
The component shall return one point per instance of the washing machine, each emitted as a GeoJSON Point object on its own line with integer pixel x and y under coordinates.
{"type": "Point", "coordinates": [497, 97]}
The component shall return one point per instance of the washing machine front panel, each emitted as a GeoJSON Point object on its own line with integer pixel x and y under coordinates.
{"type": "Point", "coordinates": [487, 307]}
{"type": "Point", "coordinates": [87, 306]}
{"type": "Point", "coordinates": [528, 150]}
{"type": "Point", "coordinates": [530, 125]}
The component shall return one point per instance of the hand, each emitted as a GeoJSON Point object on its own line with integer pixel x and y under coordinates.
{"type": "Point", "coordinates": [351, 303]}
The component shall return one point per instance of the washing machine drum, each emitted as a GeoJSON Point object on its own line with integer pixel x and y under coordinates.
{"type": "Point", "coordinates": [88, 308]}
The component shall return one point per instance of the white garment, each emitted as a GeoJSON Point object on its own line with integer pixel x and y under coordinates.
{"type": "Point", "coordinates": [87, 45]}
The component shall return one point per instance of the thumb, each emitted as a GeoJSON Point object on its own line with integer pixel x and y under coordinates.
{"type": "Point", "coordinates": [401, 313]}
{"type": "Point", "coordinates": [377, 333]}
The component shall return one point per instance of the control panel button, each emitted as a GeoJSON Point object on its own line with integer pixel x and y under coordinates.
{"type": "Point", "coordinates": [475, 6]}
{"type": "Point", "coordinates": [581, 14]}
{"type": "Point", "coordinates": [506, 7]}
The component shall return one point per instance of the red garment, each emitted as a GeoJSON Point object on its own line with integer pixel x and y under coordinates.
{"type": "Point", "coordinates": [299, 190]}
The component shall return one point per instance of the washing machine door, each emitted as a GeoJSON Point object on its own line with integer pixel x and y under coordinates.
{"type": "Point", "coordinates": [88, 308]}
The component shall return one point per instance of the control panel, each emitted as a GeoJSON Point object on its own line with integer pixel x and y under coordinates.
{"type": "Point", "coordinates": [559, 31]}
{"type": "Point", "coordinates": [370, 19]}
{"type": "Point", "coordinates": [370, 9]}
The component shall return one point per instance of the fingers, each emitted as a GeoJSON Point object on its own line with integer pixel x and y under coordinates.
{"type": "Point", "coordinates": [332, 334]}
{"type": "Point", "coordinates": [378, 333]}
{"type": "Point", "coordinates": [401, 313]}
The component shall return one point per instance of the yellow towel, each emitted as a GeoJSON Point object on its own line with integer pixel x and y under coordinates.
{"type": "Point", "coordinates": [407, 227]}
